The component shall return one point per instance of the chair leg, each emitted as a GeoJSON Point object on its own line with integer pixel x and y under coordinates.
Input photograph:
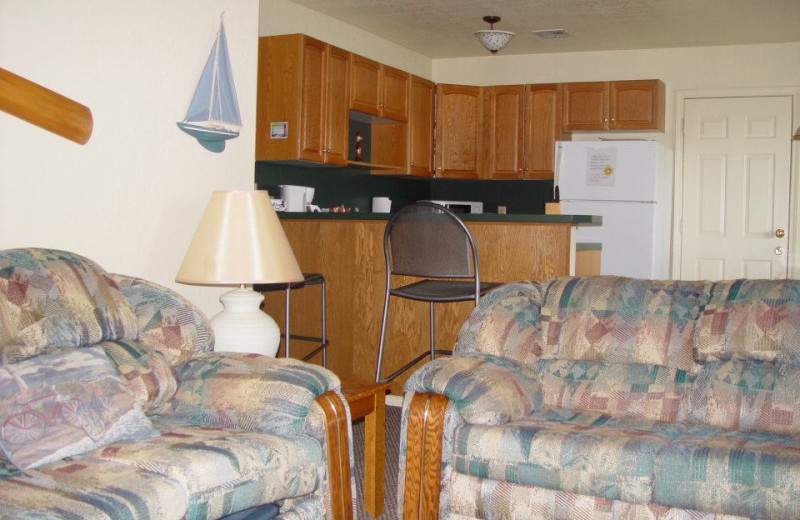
{"type": "Point", "coordinates": [286, 321]}
{"type": "Point", "coordinates": [432, 332]}
{"type": "Point", "coordinates": [383, 336]}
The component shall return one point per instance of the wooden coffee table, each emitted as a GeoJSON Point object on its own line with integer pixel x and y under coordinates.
{"type": "Point", "coordinates": [367, 400]}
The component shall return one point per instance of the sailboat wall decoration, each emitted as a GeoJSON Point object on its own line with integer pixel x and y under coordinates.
{"type": "Point", "coordinates": [213, 115]}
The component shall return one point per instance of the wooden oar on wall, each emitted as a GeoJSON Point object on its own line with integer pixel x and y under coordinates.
{"type": "Point", "coordinates": [44, 108]}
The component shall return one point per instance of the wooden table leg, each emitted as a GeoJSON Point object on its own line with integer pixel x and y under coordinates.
{"type": "Point", "coordinates": [368, 400]}
{"type": "Point", "coordinates": [373, 457]}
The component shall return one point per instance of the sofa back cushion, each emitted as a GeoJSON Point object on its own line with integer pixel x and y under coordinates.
{"type": "Point", "coordinates": [621, 320]}
{"type": "Point", "coordinates": [505, 324]}
{"type": "Point", "coordinates": [746, 395]}
{"type": "Point", "coordinates": [168, 322]}
{"type": "Point", "coordinates": [751, 319]}
{"type": "Point", "coordinates": [618, 389]}
{"type": "Point", "coordinates": [55, 299]}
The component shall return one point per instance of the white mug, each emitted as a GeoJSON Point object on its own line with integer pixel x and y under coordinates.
{"type": "Point", "coordinates": [381, 205]}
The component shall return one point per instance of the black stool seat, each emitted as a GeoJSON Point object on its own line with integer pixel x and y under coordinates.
{"type": "Point", "coordinates": [286, 335]}
{"type": "Point", "coordinates": [441, 290]}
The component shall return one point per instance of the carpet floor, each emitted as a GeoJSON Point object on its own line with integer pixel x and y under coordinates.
{"type": "Point", "coordinates": [391, 459]}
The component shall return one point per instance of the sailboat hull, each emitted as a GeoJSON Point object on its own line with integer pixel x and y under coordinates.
{"type": "Point", "coordinates": [212, 139]}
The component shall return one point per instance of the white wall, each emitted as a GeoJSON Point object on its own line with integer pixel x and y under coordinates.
{"type": "Point", "coordinates": [285, 17]}
{"type": "Point", "coordinates": [726, 68]}
{"type": "Point", "coordinates": [131, 197]}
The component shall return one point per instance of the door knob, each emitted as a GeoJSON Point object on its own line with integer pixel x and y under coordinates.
{"type": "Point", "coordinates": [778, 250]}
{"type": "Point", "coordinates": [780, 233]}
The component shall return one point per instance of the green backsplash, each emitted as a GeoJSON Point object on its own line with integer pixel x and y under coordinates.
{"type": "Point", "coordinates": [355, 188]}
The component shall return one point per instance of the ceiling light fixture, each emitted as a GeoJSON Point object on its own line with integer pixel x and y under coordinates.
{"type": "Point", "coordinates": [493, 40]}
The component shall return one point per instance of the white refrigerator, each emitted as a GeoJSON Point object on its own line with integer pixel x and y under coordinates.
{"type": "Point", "coordinates": [626, 183]}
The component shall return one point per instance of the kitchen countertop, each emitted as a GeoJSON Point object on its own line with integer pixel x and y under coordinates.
{"type": "Point", "coordinates": [592, 220]}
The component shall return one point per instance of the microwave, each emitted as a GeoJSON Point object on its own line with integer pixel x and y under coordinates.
{"type": "Point", "coordinates": [460, 206]}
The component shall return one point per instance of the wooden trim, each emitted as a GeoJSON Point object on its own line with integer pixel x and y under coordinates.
{"type": "Point", "coordinates": [338, 451]}
{"type": "Point", "coordinates": [423, 457]}
{"type": "Point", "coordinates": [44, 108]}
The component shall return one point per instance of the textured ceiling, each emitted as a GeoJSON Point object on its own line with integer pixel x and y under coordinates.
{"type": "Point", "coordinates": [443, 28]}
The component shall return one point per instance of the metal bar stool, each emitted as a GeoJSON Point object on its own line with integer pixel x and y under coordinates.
{"type": "Point", "coordinates": [286, 335]}
{"type": "Point", "coordinates": [426, 240]}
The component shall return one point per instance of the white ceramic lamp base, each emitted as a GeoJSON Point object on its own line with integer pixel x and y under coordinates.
{"type": "Point", "coordinates": [243, 327]}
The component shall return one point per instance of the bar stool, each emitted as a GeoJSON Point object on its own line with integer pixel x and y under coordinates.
{"type": "Point", "coordinates": [286, 335]}
{"type": "Point", "coordinates": [426, 240]}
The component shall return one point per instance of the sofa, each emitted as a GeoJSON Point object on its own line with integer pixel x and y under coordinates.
{"type": "Point", "coordinates": [113, 405]}
{"type": "Point", "coordinates": [611, 398]}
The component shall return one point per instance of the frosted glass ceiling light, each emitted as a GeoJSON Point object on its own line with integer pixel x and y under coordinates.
{"type": "Point", "coordinates": [493, 40]}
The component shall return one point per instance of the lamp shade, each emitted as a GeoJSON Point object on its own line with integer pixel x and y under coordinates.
{"type": "Point", "coordinates": [239, 241]}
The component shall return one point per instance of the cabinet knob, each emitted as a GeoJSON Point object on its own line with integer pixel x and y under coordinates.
{"type": "Point", "coordinates": [780, 233]}
{"type": "Point", "coordinates": [605, 120]}
{"type": "Point", "coordinates": [612, 119]}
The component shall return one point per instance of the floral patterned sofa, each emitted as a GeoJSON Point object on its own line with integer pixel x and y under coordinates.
{"type": "Point", "coordinates": [611, 398]}
{"type": "Point", "coordinates": [114, 406]}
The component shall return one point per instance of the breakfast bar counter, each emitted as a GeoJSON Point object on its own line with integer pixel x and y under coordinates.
{"type": "Point", "coordinates": [347, 248]}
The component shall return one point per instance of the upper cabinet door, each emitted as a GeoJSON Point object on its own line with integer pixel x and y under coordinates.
{"type": "Point", "coordinates": [420, 127]}
{"type": "Point", "coordinates": [394, 90]}
{"type": "Point", "coordinates": [337, 80]}
{"type": "Point", "coordinates": [505, 111]}
{"type": "Point", "coordinates": [312, 127]}
{"type": "Point", "coordinates": [459, 131]}
{"type": "Point", "coordinates": [365, 87]}
{"type": "Point", "coordinates": [586, 106]}
{"type": "Point", "coordinates": [542, 128]}
{"type": "Point", "coordinates": [636, 105]}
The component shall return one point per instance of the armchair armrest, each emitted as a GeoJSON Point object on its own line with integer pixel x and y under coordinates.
{"type": "Point", "coordinates": [485, 389]}
{"type": "Point", "coordinates": [247, 391]}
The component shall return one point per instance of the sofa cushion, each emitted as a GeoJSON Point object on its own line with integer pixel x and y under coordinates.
{"type": "Point", "coordinates": [732, 472]}
{"type": "Point", "coordinates": [147, 373]}
{"type": "Point", "coordinates": [579, 452]}
{"type": "Point", "coordinates": [747, 395]}
{"type": "Point", "coordinates": [751, 319]}
{"type": "Point", "coordinates": [65, 404]}
{"type": "Point", "coordinates": [621, 320]}
{"type": "Point", "coordinates": [505, 324]}
{"type": "Point", "coordinates": [223, 470]}
{"type": "Point", "coordinates": [91, 489]}
{"type": "Point", "coordinates": [55, 299]}
{"type": "Point", "coordinates": [619, 389]}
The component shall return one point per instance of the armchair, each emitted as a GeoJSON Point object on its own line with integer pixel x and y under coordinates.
{"type": "Point", "coordinates": [216, 433]}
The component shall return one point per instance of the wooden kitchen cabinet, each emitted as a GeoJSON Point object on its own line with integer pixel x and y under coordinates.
{"type": "Point", "coordinates": [542, 129]}
{"type": "Point", "coordinates": [420, 127]}
{"type": "Point", "coordinates": [523, 122]}
{"type": "Point", "coordinates": [504, 117]}
{"type": "Point", "coordinates": [636, 105]}
{"type": "Point", "coordinates": [614, 105]}
{"type": "Point", "coordinates": [378, 89]}
{"type": "Point", "coordinates": [459, 131]}
{"type": "Point", "coordinates": [302, 91]}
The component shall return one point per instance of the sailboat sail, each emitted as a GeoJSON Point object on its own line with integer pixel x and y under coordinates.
{"type": "Point", "coordinates": [213, 115]}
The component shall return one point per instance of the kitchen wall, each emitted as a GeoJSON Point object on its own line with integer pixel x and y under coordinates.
{"type": "Point", "coordinates": [285, 17]}
{"type": "Point", "coordinates": [131, 197]}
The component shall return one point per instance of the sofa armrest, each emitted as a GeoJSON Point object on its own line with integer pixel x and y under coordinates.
{"type": "Point", "coordinates": [247, 391]}
{"type": "Point", "coordinates": [485, 389]}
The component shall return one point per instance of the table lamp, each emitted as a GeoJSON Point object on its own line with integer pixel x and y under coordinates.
{"type": "Point", "coordinates": [240, 241]}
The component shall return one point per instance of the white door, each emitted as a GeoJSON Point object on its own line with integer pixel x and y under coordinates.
{"type": "Point", "coordinates": [736, 170]}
